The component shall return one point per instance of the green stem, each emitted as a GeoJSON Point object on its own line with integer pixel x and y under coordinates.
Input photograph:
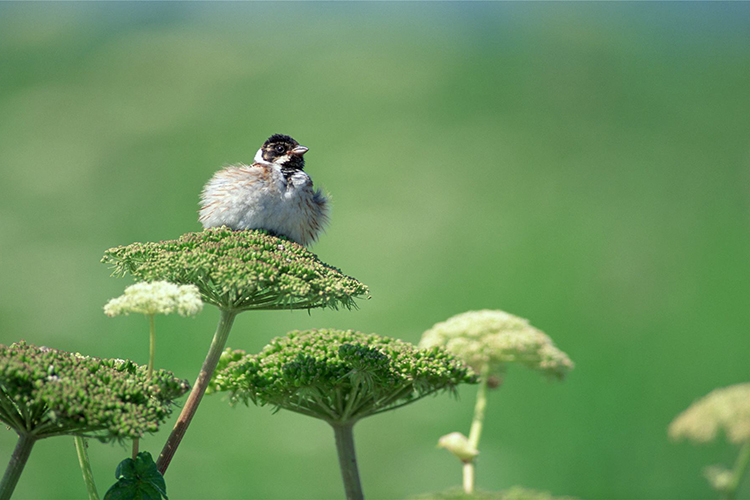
{"type": "Point", "coordinates": [9, 413]}
{"type": "Point", "coordinates": [151, 345]}
{"type": "Point", "coordinates": [83, 460]}
{"type": "Point", "coordinates": [469, 477]}
{"type": "Point", "coordinates": [481, 405]}
{"type": "Point", "coordinates": [352, 398]}
{"type": "Point", "coordinates": [740, 467]}
{"type": "Point", "coordinates": [199, 388]}
{"type": "Point", "coordinates": [476, 426]}
{"type": "Point", "coordinates": [348, 460]}
{"type": "Point", "coordinates": [150, 372]}
{"type": "Point", "coordinates": [16, 465]}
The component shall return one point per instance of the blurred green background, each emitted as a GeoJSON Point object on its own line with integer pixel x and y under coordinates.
{"type": "Point", "coordinates": [582, 165]}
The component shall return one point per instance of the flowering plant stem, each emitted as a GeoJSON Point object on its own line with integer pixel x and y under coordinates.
{"type": "Point", "coordinates": [151, 356]}
{"type": "Point", "coordinates": [199, 388]}
{"type": "Point", "coordinates": [348, 460]}
{"type": "Point", "coordinates": [83, 460]}
{"type": "Point", "coordinates": [15, 466]}
{"type": "Point", "coordinates": [740, 467]}
{"type": "Point", "coordinates": [151, 344]}
{"type": "Point", "coordinates": [476, 427]}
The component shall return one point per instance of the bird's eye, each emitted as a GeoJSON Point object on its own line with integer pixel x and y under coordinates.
{"type": "Point", "coordinates": [279, 149]}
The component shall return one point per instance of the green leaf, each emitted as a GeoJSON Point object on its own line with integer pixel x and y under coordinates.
{"type": "Point", "coordinates": [138, 479]}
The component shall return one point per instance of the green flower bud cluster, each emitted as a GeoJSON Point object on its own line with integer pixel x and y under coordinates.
{"type": "Point", "coordinates": [45, 392]}
{"type": "Point", "coordinates": [240, 270]}
{"type": "Point", "coordinates": [495, 339]}
{"type": "Point", "coordinates": [159, 297]}
{"type": "Point", "coordinates": [726, 409]}
{"type": "Point", "coordinates": [338, 376]}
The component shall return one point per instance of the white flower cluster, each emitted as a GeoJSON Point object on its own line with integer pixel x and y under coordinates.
{"type": "Point", "coordinates": [727, 409]}
{"type": "Point", "coordinates": [158, 297]}
{"type": "Point", "coordinates": [497, 338]}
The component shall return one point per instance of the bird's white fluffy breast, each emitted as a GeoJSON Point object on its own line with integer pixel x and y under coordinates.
{"type": "Point", "coordinates": [258, 197]}
{"type": "Point", "coordinates": [237, 194]}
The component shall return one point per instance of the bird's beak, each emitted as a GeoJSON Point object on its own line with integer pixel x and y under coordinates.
{"type": "Point", "coordinates": [299, 150]}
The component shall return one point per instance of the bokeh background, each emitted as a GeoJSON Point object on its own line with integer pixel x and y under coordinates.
{"type": "Point", "coordinates": [582, 165]}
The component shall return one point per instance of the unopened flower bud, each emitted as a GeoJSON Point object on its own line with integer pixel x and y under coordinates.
{"type": "Point", "coordinates": [459, 445]}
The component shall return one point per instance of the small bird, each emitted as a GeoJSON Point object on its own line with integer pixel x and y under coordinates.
{"type": "Point", "coordinates": [274, 193]}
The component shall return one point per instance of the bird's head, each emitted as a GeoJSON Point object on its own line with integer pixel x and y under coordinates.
{"type": "Point", "coordinates": [283, 151]}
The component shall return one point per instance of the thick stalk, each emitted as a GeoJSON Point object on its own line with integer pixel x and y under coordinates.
{"type": "Point", "coordinates": [348, 461]}
{"type": "Point", "coordinates": [16, 465]}
{"type": "Point", "coordinates": [83, 460]}
{"type": "Point", "coordinates": [199, 388]}
{"type": "Point", "coordinates": [476, 426]}
{"type": "Point", "coordinates": [740, 467]}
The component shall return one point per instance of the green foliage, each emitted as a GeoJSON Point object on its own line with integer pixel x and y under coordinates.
{"type": "Point", "coordinates": [240, 270]}
{"type": "Point", "coordinates": [46, 392]}
{"type": "Point", "coordinates": [338, 376]}
{"type": "Point", "coordinates": [138, 479]}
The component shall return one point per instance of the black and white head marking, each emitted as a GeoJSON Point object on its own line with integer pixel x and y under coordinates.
{"type": "Point", "coordinates": [283, 151]}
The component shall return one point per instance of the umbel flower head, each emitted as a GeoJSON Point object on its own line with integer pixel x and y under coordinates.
{"type": "Point", "coordinates": [726, 409]}
{"type": "Point", "coordinates": [45, 392]}
{"type": "Point", "coordinates": [493, 339]}
{"type": "Point", "coordinates": [159, 297]}
{"type": "Point", "coordinates": [240, 270]}
{"type": "Point", "coordinates": [338, 376]}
